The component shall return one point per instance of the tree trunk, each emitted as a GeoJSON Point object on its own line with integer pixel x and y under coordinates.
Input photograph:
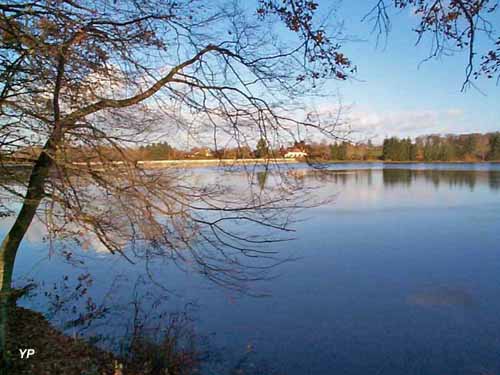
{"type": "Point", "coordinates": [11, 242]}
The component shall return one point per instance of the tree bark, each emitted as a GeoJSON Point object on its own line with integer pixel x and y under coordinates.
{"type": "Point", "coordinates": [11, 242]}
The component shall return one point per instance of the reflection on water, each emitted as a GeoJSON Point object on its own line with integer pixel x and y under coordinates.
{"type": "Point", "coordinates": [436, 177]}
{"type": "Point", "coordinates": [399, 177]}
{"type": "Point", "coordinates": [442, 296]}
{"type": "Point", "coordinates": [399, 274]}
{"type": "Point", "coordinates": [262, 178]}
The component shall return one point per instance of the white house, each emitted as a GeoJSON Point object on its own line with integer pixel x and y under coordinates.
{"type": "Point", "coordinates": [295, 153]}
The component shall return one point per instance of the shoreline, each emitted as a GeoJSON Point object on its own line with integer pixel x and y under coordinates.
{"type": "Point", "coordinates": [157, 164]}
{"type": "Point", "coordinates": [56, 352]}
{"type": "Point", "coordinates": [405, 162]}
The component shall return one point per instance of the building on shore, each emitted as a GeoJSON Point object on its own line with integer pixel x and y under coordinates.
{"type": "Point", "coordinates": [295, 153]}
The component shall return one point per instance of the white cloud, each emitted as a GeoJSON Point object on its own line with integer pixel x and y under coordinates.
{"type": "Point", "coordinates": [378, 125]}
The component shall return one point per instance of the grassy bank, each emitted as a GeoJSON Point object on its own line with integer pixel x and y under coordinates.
{"type": "Point", "coordinates": [55, 353]}
{"type": "Point", "coordinates": [59, 354]}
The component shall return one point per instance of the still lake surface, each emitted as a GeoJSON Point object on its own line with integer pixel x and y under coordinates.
{"type": "Point", "coordinates": [400, 274]}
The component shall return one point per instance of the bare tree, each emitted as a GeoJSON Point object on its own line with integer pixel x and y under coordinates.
{"type": "Point", "coordinates": [97, 75]}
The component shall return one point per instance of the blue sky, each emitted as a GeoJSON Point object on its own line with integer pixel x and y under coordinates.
{"type": "Point", "coordinates": [394, 95]}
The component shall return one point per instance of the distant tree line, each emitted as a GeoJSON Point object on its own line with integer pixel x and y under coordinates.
{"type": "Point", "coordinates": [399, 149]}
{"type": "Point", "coordinates": [160, 151]}
{"type": "Point", "coordinates": [463, 147]}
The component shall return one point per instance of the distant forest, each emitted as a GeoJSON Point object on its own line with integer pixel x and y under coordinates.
{"type": "Point", "coordinates": [463, 147]}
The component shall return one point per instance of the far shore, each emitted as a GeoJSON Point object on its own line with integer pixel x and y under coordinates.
{"type": "Point", "coordinates": [157, 164]}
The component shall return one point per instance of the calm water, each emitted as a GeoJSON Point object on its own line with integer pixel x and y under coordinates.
{"type": "Point", "coordinates": [400, 274]}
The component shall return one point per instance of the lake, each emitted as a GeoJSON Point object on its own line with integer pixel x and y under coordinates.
{"type": "Point", "coordinates": [399, 273]}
